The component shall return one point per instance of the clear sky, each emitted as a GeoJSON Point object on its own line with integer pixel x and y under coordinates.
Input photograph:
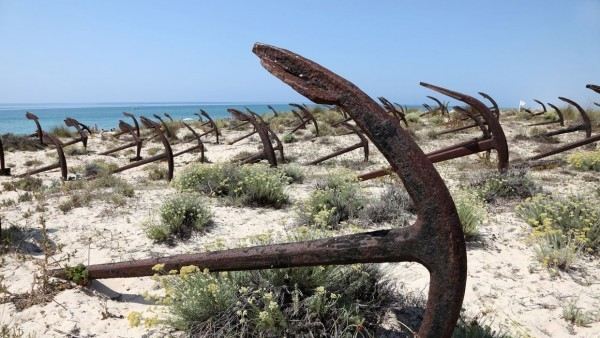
{"type": "Point", "coordinates": [132, 51]}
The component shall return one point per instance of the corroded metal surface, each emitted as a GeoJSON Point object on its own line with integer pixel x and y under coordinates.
{"type": "Point", "coordinates": [399, 114]}
{"type": "Point", "coordinates": [595, 88]}
{"type": "Point", "coordinates": [261, 129]}
{"type": "Point", "coordinates": [4, 171]}
{"type": "Point", "coordinates": [435, 240]}
{"type": "Point", "coordinates": [83, 134]}
{"type": "Point", "coordinates": [165, 126]}
{"type": "Point", "coordinates": [308, 116]}
{"type": "Point", "coordinates": [199, 146]}
{"type": "Point", "coordinates": [585, 125]}
{"type": "Point", "coordinates": [214, 129]}
{"type": "Point", "coordinates": [62, 161]}
{"type": "Point", "coordinates": [39, 131]}
{"type": "Point", "coordinates": [364, 143]}
{"type": "Point", "coordinates": [541, 104]}
{"type": "Point", "coordinates": [561, 119]}
{"type": "Point", "coordinates": [441, 107]}
{"type": "Point", "coordinates": [273, 110]}
{"type": "Point", "coordinates": [167, 155]}
{"type": "Point", "coordinates": [136, 141]}
{"type": "Point", "coordinates": [494, 108]}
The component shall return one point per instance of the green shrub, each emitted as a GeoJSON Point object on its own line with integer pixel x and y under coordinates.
{"type": "Point", "coordinates": [61, 131]}
{"type": "Point", "coordinates": [576, 316]}
{"type": "Point", "coordinates": [514, 184]}
{"type": "Point", "coordinates": [78, 274]}
{"type": "Point", "coordinates": [289, 138]}
{"type": "Point", "coordinates": [573, 217]}
{"type": "Point", "coordinates": [180, 215]}
{"type": "Point", "coordinates": [585, 160]}
{"type": "Point", "coordinates": [157, 172]}
{"type": "Point", "coordinates": [413, 117]}
{"type": "Point", "coordinates": [476, 329]}
{"type": "Point", "coordinates": [253, 185]}
{"type": "Point", "coordinates": [27, 183]}
{"type": "Point", "coordinates": [26, 197]}
{"type": "Point", "coordinates": [32, 163]}
{"type": "Point", "coordinates": [153, 151]}
{"type": "Point", "coordinates": [75, 151]}
{"type": "Point", "coordinates": [393, 206]}
{"type": "Point", "coordinates": [12, 142]}
{"type": "Point", "coordinates": [76, 200]}
{"type": "Point", "coordinates": [336, 199]}
{"type": "Point", "coordinates": [96, 168]}
{"type": "Point", "coordinates": [471, 212]}
{"type": "Point", "coordinates": [321, 301]}
{"type": "Point", "coordinates": [293, 172]}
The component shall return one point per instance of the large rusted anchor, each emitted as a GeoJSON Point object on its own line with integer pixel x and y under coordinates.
{"type": "Point", "coordinates": [265, 134]}
{"type": "Point", "coordinates": [243, 137]}
{"type": "Point", "coordinates": [83, 134]}
{"type": "Point", "coordinates": [364, 143]}
{"type": "Point", "coordinates": [441, 107]}
{"type": "Point", "coordinates": [428, 109]}
{"type": "Point", "coordinates": [494, 109]}
{"type": "Point", "coordinates": [167, 155]}
{"type": "Point", "coordinates": [306, 117]}
{"type": "Point", "coordinates": [561, 118]}
{"type": "Point", "coordinates": [136, 141]}
{"type": "Point", "coordinates": [390, 108]}
{"type": "Point", "coordinates": [4, 171]}
{"type": "Point", "coordinates": [435, 240]}
{"type": "Point", "coordinates": [135, 123]}
{"type": "Point", "coordinates": [495, 137]}
{"type": "Point", "coordinates": [213, 128]}
{"type": "Point", "coordinates": [199, 146]}
{"type": "Point", "coordinates": [39, 131]}
{"type": "Point", "coordinates": [165, 126]}
{"type": "Point", "coordinates": [538, 113]}
{"type": "Point", "coordinates": [585, 124]}
{"type": "Point", "coordinates": [62, 161]}
{"type": "Point", "coordinates": [275, 113]}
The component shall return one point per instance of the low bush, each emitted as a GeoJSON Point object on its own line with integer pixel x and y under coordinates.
{"type": "Point", "coordinates": [336, 199]}
{"type": "Point", "coordinates": [289, 138]}
{"type": "Point", "coordinates": [514, 184]}
{"type": "Point", "coordinates": [27, 183]}
{"type": "Point", "coordinates": [413, 117]}
{"type": "Point", "coordinates": [61, 131]}
{"type": "Point", "coordinates": [320, 301]}
{"type": "Point", "coordinates": [585, 160]}
{"type": "Point", "coordinates": [293, 172]}
{"type": "Point", "coordinates": [471, 212]}
{"type": "Point", "coordinates": [75, 200]}
{"type": "Point", "coordinates": [95, 168]}
{"type": "Point", "coordinates": [251, 185]}
{"type": "Point", "coordinates": [393, 206]}
{"type": "Point", "coordinates": [12, 142]}
{"type": "Point", "coordinates": [563, 228]}
{"type": "Point", "coordinates": [75, 150]}
{"type": "Point", "coordinates": [157, 172]}
{"type": "Point", "coordinates": [180, 215]}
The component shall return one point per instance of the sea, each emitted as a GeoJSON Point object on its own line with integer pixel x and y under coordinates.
{"type": "Point", "coordinates": [107, 115]}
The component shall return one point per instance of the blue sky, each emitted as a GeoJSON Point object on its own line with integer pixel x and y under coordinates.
{"type": "Point", "coordinates": [127, 51]}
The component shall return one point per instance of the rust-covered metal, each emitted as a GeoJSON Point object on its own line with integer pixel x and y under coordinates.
{"type": "Point", "coordinates": [213, 128]}
{"type": "Point", "coordinates": [262, 130]}
{"type": "Point", "coordinates": [363, 143]}
{"type": "Point", "coordinates": [199, 146]}
{"type": "Point", "coordinates": [135, 124]}
{"type": "Point", "coordinates": [169, 117]}
{"type": "Point", "coordinates": [62, 161]}
{"type": "Point", "coordinates": [435, 240]}
{"type": "Point", "coordinates": [441, 107]}
{"type": "Point", "coordinates": [136, 141]}
{"type": "Point", "coordinates": [39, 131]}
{"type": "Point", "coordinates": [593, 87]}
{"type": "Point", "coordinates": [495, 109]}
{"type": "Point", "coordinates": [166, 156]}
{"type": "Point", "coordinates": [585, 125]}
{"type": "Point", "coordinates": [560, 120]}
{"type": "Point", "coordinates": [165, 126]}
{"type": "Point", "coordinates": [4, 171]}
{"type": "Point", "coordinates": [541, 104]}
{"type": "Point", "coordinates": [275, 113]}
{"type": "Point", "coordinates": [566, 147]}
{"type": "Point", "coordinates": [307, 117]}
{"type": "Point", "coordinates": [390, 108]}
{"type": "Point", "coordinates": [495, 141]}
{"type": "Point", "coordinates": [83, 134]}
{"type": "Point", "coordinates": [428, 109]}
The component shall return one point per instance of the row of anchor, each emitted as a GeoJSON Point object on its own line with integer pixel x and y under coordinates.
{"type": "Point", "coordinates": [435, 240]}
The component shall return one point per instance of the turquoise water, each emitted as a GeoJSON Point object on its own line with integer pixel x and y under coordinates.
{"type": "Point", "coordinates": [107, 116]}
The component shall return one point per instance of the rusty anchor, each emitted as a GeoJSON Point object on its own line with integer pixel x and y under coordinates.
{"type": "Point", "coordinates": [199, 146]}
{"type": "Point", "coordinates": [4, 171]}
{"type": "Point", "coordinates": [265, 134]}
{"type": "Point", "coordinates": [364, 143]}
{"type": "Point", "coordinates": [39, 131]}
{"type": "Point", "coordinates": [435, 240]}
{"type": "Point", "coordinates": [213, 128]}
{"type": "Point", "coordinates": [428, 109]}
{"type": "Point", "coordinates": [390, 108]}
{"type": "Point", "coordinates": [595, 88]}
{"type": "Point", "coordinates": [136, 141]}
{"type": "Point", "coordinates": [494, 109]}
{"type": "Point", "coordinates": [275, 113]}
{"type": "Point", "coordinates": [561, 119]}
{"type": "Point", "coordinates": [496, 139]}
{"type": "Point", "coordinates": [169, 117]}
{"type": "Point", "coordinates": [305, 118]}
{"type": "Point", "coordinates": [441, 107]}
{"type": "Point", "coordinates": [83, 134]}
{"type": "Point", "coordinates": [585, 124]}
{"type": "Point", "coordinates": [62, 161]}
{"type": "Point", "coordinates": [135, 123]}
{"type": "Point", "coordinates": [243, 137]}
{"type": "Point", "coordinates": [167, 155]}
{"type": "Point", "coordinates": [165, 126]}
